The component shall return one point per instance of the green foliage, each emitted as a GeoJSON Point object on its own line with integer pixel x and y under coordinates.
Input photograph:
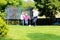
{"type": "Point", "coordinates": [2, 15]}
{"type": "Point", "coordinates": [3, 2]}
{"type": "Point", "coordinates": [15, 2]}
{"type": "Point", "coordinates": [28, 5]}
{"type": "Point", "coordinates": [3, 28]}
{"type": "Point", "coordinates": [48, 7]}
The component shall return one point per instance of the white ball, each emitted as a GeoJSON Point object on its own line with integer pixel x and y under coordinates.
{"type": "Point", "coordinates": [29, 25]}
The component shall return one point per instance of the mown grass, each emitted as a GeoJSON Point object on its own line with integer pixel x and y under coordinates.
{"type": "Point", "coordinates": [17, 32]}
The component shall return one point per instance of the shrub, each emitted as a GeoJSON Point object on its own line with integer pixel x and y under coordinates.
{"type": "Point", "coordinates": [2, 15]}
{"type": "Point", "coordinates": [3, 28]}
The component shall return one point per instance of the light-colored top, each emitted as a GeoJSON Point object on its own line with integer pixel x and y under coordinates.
{"type": "Point", "coordinates": [22, 17]}
{"type": "Point", "coordinates": [35, 13]}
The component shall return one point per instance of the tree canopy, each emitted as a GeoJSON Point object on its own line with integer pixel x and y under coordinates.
{"type": "Point", "coordinates": [5, 3]}
{"type": "Point", "coordinates": [47, 7]}
{"type": "Point", "coordinates": [22, 3]}
{"type": "Point", "coordinates": [28, 4]}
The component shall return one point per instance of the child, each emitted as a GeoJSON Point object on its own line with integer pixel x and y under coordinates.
{"type": "Point", "coordinates": [22, 18]}
{"type": "Point", "coordinates": [26, 17]}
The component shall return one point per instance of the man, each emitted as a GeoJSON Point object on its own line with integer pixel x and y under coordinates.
{"type": "Point", "coordinates": [35, 15]}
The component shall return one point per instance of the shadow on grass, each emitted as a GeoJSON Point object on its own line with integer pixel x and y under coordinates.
{"type": "Point", "coordinates": [41, 36]}
{"type": "Point", "coordinates": [6, 38]}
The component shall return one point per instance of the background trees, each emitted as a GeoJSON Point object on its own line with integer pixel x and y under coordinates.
{"type": "Point", "coordinates": [29, 4]}
{"type": "Point", "coordinates": [48, 7]}
{"type": "Point", "coordinates": [5, 3]}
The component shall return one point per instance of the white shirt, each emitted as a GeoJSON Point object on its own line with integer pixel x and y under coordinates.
{"type": "Point", "coordinates": [35, 13]}
{"type": "Point", "coordinates": [22, 17]}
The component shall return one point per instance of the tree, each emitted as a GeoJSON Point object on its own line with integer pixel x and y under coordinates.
{"type": "Point", "coordinates": [47, 7]}
{"type": "Point", "coordinates": [5, 3]}
{"type": "Point", "coordinates": [15, 2]}
{"type": "Point", "coordinates": [28, 4]}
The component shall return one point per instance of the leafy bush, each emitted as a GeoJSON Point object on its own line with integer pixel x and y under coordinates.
{"type": "Point", "coordinates": [3, 28]}
{"type": "Point", "coordinates": [2, 15]}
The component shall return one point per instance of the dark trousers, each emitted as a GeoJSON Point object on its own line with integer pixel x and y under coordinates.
{"type": "Point", "coordinates": [22, 21]}
{"type": "Point", "coordinates": [34, 20]}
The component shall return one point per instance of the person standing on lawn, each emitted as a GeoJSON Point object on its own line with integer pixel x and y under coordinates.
{"type": "Point", "coordinates": [35, 15]}
{"type": "Point", "coordinates": [26, 18]}
{"type": "Point", "coordinates": [22, 18]}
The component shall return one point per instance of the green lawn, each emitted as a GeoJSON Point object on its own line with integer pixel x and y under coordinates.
{"type": "Point", "coordinates": [17, 32]}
